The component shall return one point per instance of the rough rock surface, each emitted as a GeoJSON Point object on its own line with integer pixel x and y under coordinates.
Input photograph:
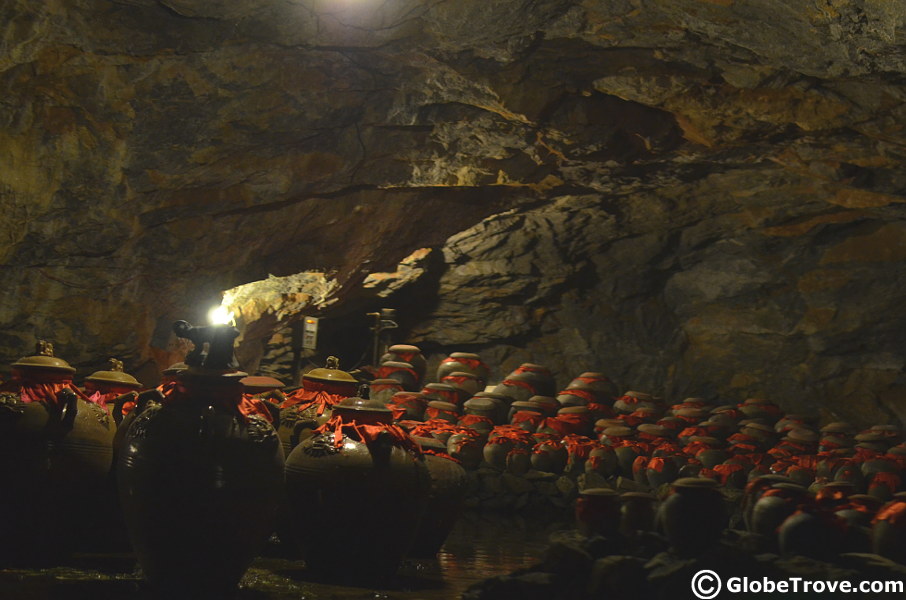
{"type": "Point", "coordinates": [698, 197]}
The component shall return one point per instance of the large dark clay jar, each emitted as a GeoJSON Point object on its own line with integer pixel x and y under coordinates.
{"type": "Point", "coordinates": [199, 482]}
{"type": "Point", "coordinates": [56, 449]}
{"type": "Point", "coordinates": [446, 498]}
{"type": "Point", "coordinates": [356, 490]}
{"type": "Point", "coordinates": [693, 516]}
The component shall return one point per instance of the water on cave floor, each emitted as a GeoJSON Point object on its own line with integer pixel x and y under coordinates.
{"type": "Point", "coordinates": [479, 547]}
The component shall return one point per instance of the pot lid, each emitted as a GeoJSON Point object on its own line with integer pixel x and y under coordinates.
{"type": "Point", "coordinates": [330, 373]}
{"type": "Point", "coordinates": [403, 348]}
{"type": "Point", "coordinates": [175, 368]}
{"type": "Point", "coordinates": [261, 382]}
{"type": "Point", "coordinates": [114, 374]}
{"type": "Point", "coordinates": [359, 404]}
{"type": "Point", "coordinates": [43, 358]}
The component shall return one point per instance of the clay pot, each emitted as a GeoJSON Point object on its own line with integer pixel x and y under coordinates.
{"type": "Point", "coordinates": [774, 505]}
{"type": "Point", "coordinates": [888, 532]}
{"type": "Point", "coordinates": [401, 372]}
{"type": "Point", "coordinates": [518, 461]}
{"type": "Point", "coordinates": [466, 362]}
{"type": "Point", "coordinates": [199, 482]}
{"type": "Point", "coordinates": [407, 353]}
{"type": "Point", "coordinates": [103, 386]}
{"type": "Point", "coordinates": [501, 402]}
{"type": "Point", "coordinates": [383, 390]}
{"type": "Point", "coordinates": [465, 384]}
{"type": "Point", "coordinates": [438, 409]}
{"type": "Point", "coordinates": [440, 391]}
{"type": "Point", "coordinates": [601, 460]}
{"type": "Point", "coordinates": [549, 456]}
{"type": "Point", "coordinates": [519, 387]}
{"type": "Point", "coordinates": [637, 512]}
{"type": "Point", "coordinates": [538, 375]}
{"type": "Point", "coordinates": [603, 389]}
{"type": "Point", "coordinates": [56, 450]}
{"type": "Point", "coordinates": [483, 407]}
{"type": "Point", "coordinates": [465, 448]}
{"type": "Point", "coordinates": [496, 451]}
{"type": "Point", "coordinates": [412, 405]}
{"type": "Point", "coordinates": [346, 483]}
{"type": "Point", "coordinates": [445, 499]}
{"type": "Point", "coordinates": [693, 516]}
{"type": "Point", "coordinates": [813, 532]}
{"type": "Point", "coordinates": [597, 512]}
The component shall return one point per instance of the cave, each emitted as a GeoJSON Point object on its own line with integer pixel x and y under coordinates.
{"type": "Point", "coordinates": [698, 199]}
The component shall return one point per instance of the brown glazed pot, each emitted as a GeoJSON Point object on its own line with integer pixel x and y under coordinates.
{"type": "Point", "coordinates": [693, 516]}
{"type": "Point", "coordinates": [446, 498]}
{"type": "Point", "coordinates": [467, 362]}
{"type": "Point", "coordinates": [407, 353]}
{"type": "Point", "coordinates": [55, 455]}
{"type": "Point", "coordinates": [199, 482]}
{"type": "Point", "coordinates": [199, 485]}
{"type": "Point", "coordinates": [355, 503]}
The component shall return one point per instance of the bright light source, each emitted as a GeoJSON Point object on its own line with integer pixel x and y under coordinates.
{"type": "Point", "coordinates": [220, 315]}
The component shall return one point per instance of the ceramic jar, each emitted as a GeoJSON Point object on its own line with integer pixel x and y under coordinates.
{"type": "Point", "coordinates": [445, 499]}
{"type": "Point", "coordinates": [103, 387]}
{"type": "Point", "coordinates": [383, 390]}
{"type": "Point", "coordinates": [347, 486]}
{"type": "Point", "coordinates": [467, 362]}
{"type": "Point", "coordinates": [465, 384]}
{"type": "Point", "coordinates": [309, 407]}
{"type": "Point", "coordinates": [694, 516]}
{"type": "Point", "coordinates": [56, 450]}
{"type": "Point", "coordinates": [440, 391]}
{"type": "Point", "coordinates": [200, 482]}
{"type": "Point", "coordinates": [400, 371]}
{"type": "Point", "coordinates": [888, 532]}
{"type": "Point", "coordinates": [407, 353]}
{"type": "Point", "coordinates": [597, 512]}
{"type": "Point", "coordinates": [549, 456]}
{"type": "Point", "coordinates": [538, 375]}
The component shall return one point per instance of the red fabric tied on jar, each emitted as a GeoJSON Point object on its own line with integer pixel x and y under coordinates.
{"type": "Point", "coordinates": [519, 383]}
{"type": "Point", "coordinates": [385, 371]}
{"type": "Point", "coordinates": [303, 399]}
{"type": "Point", "coordinates": [527, 416]}
{"type": "Point", "coordinates": [472, 363]}
{"type": "Point", "coordinates": [893, 512]}
{"type": "Point", "coordinates": [579, 446]}
{"type": "Point", "coordinates": [891, 481]}
{"type": "Point", "coordinates": [253, 405]}
{"type": "Point", "coordinates": [368, 433]}
{"type": "Point", "coordinates": [44, 392]}
{"type": "Point", "coordinates": [580, 393]}
{"type": "Point", "coordinates": [467, 420]}
{"type": "Point", "coordinates": [434, 412]}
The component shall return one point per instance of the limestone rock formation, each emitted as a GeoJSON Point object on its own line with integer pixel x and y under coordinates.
{"type": "Point", "coordinates": [696, 196]}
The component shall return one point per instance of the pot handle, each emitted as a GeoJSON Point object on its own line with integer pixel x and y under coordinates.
{"type": "Point", "coordinates": [118, 403]}
{"type": "Point", "coordinates": [65, 418]}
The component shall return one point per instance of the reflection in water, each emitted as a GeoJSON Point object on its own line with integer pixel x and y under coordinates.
{"type": "Point", "coordinates": [480, 546]}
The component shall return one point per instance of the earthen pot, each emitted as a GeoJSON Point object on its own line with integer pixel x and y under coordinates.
{"type": "Point", "coordinates": [440, 391]}
{"type": "Point", "coordinates": [538, 375]}
{"type": "Point", "coordinates": [465, 384]}
{"type": "Point", "coordinates": [888, 531]}
{"type": "Point", "coordinates": [445, 499]}
{"type": "Point", "coordinates": [349, 486]}
{"type": "Point", "coordinates": [464, 361]}
{"type": "Point", "coordinates": [199, 482]}
{"type": "Point", "coordinates": [407, 353]}
{"type": "Point", "coordinates": [693, 516]}
{"type": "Point", "coordinates": [383, 390]}
{"type": "Point", "coordinates": [400, 371]}
{"type": "Point", "coordinates": [597, 512]}
{"type": "Point", "coordinates": [56, 449]}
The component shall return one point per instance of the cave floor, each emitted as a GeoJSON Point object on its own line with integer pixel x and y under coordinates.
{"type": "Point", "coordinates": [480, 546]}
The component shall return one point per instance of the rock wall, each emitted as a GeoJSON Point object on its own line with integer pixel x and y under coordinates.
{"type": "Point", "coordinates": [698, 197]}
